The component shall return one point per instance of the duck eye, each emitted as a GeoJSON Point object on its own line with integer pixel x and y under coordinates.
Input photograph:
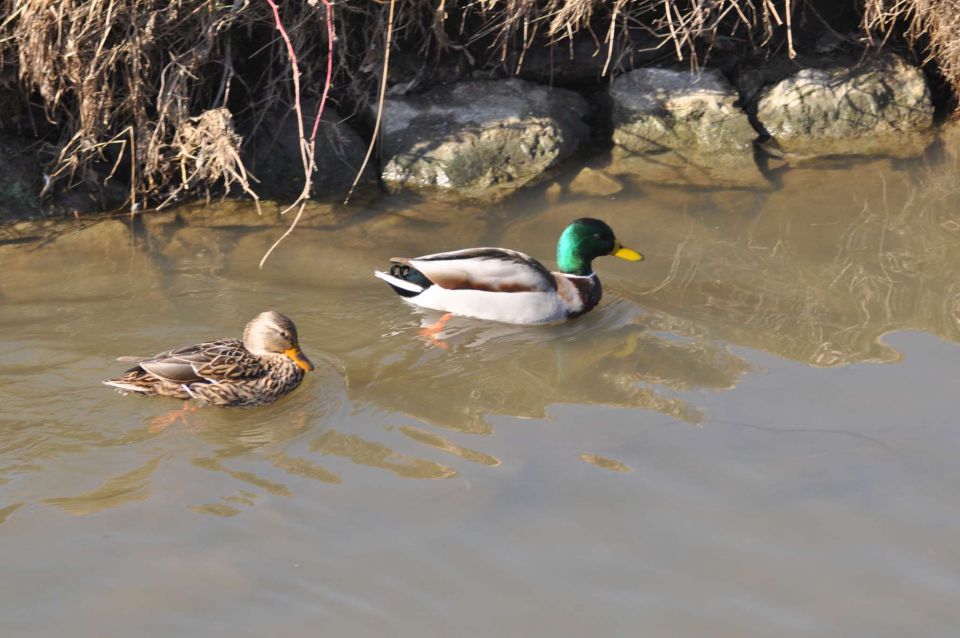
{"type": "Point", "coordinates": [285, 334]}
{"type": "Point", "coordinates": [597, 236]}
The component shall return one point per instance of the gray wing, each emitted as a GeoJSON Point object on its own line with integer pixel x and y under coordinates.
{"type": "Point", "coordinates": [489, 269]}
{"type": "Point", "coordinates": [211, 361]}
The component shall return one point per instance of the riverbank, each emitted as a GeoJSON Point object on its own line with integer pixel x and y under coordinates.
{"type": "Point", "coordinates": [475, 104]}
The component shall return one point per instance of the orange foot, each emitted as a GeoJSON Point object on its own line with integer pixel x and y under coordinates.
{"type": "Point", "coordinates": [431, 332]}
{"type": "Point", "coordinates": [161, 423]}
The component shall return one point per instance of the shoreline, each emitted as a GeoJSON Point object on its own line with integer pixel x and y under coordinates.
{"type": "Point", "coordinates": [456, 123]}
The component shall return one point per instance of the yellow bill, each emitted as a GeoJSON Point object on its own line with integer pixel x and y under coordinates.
{"type": "Point", "coordinates": [299, 358]}
{"type": "Point", "coordinates": [619, 250]}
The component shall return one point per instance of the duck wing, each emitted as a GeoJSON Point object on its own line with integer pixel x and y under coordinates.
{"type": "Point", "coordinates": [213, 361]}
{"type": "Point", "coordinates": [487, 269]}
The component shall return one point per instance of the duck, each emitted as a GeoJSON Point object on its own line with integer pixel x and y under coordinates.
{"type": "Point", "coordinates": [499, 284]}
{"type": "Point", "coordinates": [259, 369]}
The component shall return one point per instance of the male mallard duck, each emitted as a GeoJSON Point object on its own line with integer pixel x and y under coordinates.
{"type": "Point", "coordinates": [505, 285]}
{"type": "Point", "coordinates": [263, 367]}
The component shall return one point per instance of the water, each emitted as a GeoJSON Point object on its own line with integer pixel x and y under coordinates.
{"type": "Point", "coordinates": [753, 435]}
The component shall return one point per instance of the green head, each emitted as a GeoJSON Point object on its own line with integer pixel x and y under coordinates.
{"type": "Point", "coordinates": [583, 240]}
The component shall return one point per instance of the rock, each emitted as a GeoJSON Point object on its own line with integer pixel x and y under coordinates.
{"type": "Point", "coordinates": [590, 181]}
{"type": "Point", "coordinates": [479, 140]}
{"type": "Point", "coordinates": [682, 128]}
{"type": "Point", "coordinates": [274, 156]}
{"type": "Point", "coordinates": [881, 107]}
{"type": "Point", "coordinates": [660, 109]}
{"type": "Point", "coordinates": [554, 192]}
{"type": "Point", "coordinates": [20, 182]}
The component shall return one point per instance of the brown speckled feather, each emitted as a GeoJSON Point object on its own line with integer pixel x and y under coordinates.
{"type": "Point", "coordinates": [222, 372]}
{"type": "Point", "coordinates": [219, 372]}
{"type": "Point", "coordinates": [211, 361]}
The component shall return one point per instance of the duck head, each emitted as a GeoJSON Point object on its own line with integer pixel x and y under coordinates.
{"type": "Point", "coordinates": [584, 240]}
{"type": "Point", "coordinates": [273, 333]}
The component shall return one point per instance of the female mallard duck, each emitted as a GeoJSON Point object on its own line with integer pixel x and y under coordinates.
{"type": "Point", "coordinates": [509, 286]}
{"type": "Point", "coordinates": [263, 367]}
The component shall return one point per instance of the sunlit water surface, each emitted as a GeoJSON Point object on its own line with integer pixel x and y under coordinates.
{"type": "Point", "coordinates": [755, 434]}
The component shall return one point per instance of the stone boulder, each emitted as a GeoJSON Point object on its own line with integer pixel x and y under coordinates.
{"type": "Point", "coordinates": [594, 183]}
{"type": "Point", "coordinates": [880, 107]}
{"type": "Point", "coordinates": [479, 140]}
{"type": "Point", "coordinates": [20, 180]}
{"type": "Point", "coordinates": [682, 127]}
{"type": "Point", "coordinates": [274, 156]}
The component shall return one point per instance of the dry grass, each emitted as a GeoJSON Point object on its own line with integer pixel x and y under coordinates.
{"type": "Point", "coordinates": [138, 83]}
{"type": "Point", "coordinates": [166, 92]}
{"type": "Point", "coordinates": [932, 26]}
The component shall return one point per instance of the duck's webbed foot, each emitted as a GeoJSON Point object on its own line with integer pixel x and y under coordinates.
{"type": "Point", "coordinates": [431, 331]}
{"type": "Point", "coordinates": [160, 423]}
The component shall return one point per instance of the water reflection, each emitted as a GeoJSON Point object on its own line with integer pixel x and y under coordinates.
{"type": "Point", "coordinates": [127, 487]}
{"type": "Point", "coordinates": [615, 356]}
{"type": "Point", "coordinates": [374, 454]}
{"type": "Point", "coordinates": [437, 441]}
{"type": "Point", "coordinates": [817, 271]}
{"type": "Point", "coordinates": [604, 462]}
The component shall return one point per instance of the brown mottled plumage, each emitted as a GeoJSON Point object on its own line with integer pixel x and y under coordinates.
{"type": "Point", "coordinates": [263, 367]}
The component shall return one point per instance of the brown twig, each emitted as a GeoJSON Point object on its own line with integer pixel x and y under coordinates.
{"type": "Point", "coordinates": [788, 10]}
{"type": "Point", "coordinates": [611, 36]}
{"type": "Point", "coordinates": [307, 147]}
{"type": "Point", "coordinates": [326, 87]}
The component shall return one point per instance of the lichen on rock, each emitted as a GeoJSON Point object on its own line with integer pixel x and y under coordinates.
{"type": "Point", "coordinates": [480, 139]}
{"type": "Point", "coordinates": [682, 127]}
{"type": "Point", "coordinates": [880, 107]}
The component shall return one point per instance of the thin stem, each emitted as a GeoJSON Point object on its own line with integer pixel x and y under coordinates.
{"type": "Point", "coordinates": [326, 88]}
{"type": "Point", "coordinates": [307, 148]}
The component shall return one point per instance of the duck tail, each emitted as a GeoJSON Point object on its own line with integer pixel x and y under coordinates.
{"type": "Point", "coordinates": [405, 280]}
{"type": "Point", "coordinates": [125, 386]}
{"type": "Point", "coordinates": [135, 380]}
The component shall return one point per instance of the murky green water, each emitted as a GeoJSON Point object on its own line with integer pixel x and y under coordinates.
{"type": "Point", "coordinates": [754, 435]}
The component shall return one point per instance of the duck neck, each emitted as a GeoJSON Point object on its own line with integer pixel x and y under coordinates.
{"type": "Point", "coordinates": [278, 362]}
{"type": "Point", "coordinates": [570, 259]}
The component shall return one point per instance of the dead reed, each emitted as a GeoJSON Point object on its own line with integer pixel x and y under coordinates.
{"type": "Point", "coordinates": [161, 95]}
{"type": "Point", "coordinates": [932, 26]}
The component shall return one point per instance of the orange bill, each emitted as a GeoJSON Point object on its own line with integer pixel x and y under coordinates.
{"type": "Point", "coordinates": [299, 358]}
